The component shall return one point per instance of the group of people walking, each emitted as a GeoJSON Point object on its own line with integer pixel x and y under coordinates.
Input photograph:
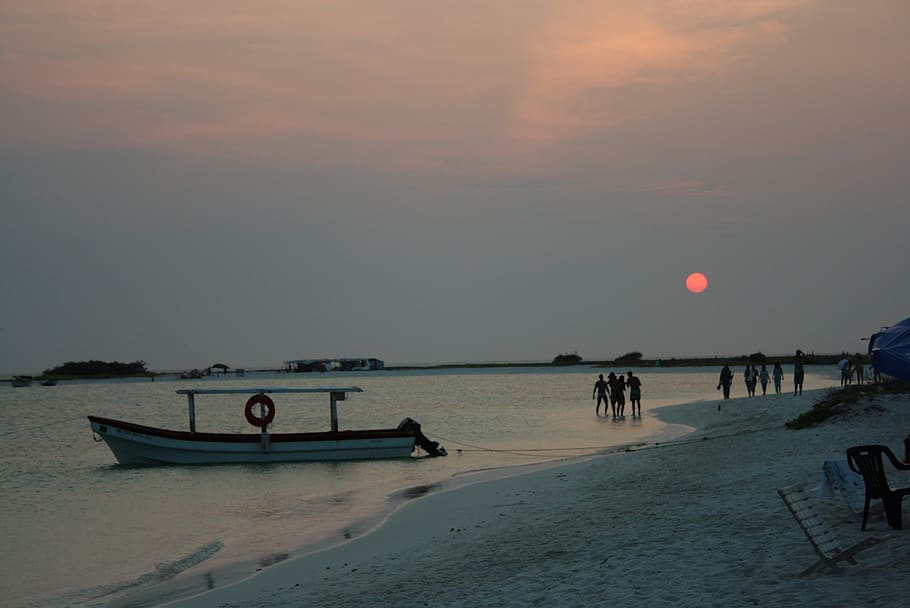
{"type": "Point", "coordinates": [753, 377]}
{"type": "Point", "coordinates": [613, 389]}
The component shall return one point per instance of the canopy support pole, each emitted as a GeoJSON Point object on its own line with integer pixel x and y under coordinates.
{"type": "Point", "coordinates": [334, 397]}
{"type": "Point", "coordinates": [191, 402]}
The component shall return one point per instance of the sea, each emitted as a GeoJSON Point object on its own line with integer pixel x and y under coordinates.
{"type": "Point", "coordinates": [79, 530]}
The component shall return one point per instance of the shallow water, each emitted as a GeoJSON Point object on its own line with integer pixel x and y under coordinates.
{"type": "Point", "coordinates": [80, 530]}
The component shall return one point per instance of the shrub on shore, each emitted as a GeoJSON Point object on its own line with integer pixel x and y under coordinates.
{"type": "Point", "coordinates": [840, 401]}
{"type": "Point", "coordinates": [567, 359]}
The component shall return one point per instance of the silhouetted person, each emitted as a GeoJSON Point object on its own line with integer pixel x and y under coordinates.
{"type": "Point", "coordinates": [858, 368]}
{"type": "Point", "coordinates": [634, 385]}
{"type": "Point", "coordinates": [763, 377]}
{"type": "Point", "coordinates": [844, 365]}
{"type": "Point", "coordinates": [726, 379]}
{"type": "Point", "coordinates": [876, 373]}
{"type": "Point", "coordinates": [777, 374]}
{"type": "Point", "coordinates": [601, 389]}
{"type": "Point", "coordinates": [798, 372]}
{"type": "Point", "coordinates": [750, 377]}
{"type": "Point", "coordinates": [620, 387]}
{"type": "Point", "coordinates": [611, 381]}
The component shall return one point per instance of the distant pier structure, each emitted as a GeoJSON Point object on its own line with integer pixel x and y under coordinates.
{"type": "Point", "coordinates": [334, 365]}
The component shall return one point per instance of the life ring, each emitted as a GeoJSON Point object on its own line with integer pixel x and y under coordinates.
{"type": "Point", "coordinates": [254, 419]}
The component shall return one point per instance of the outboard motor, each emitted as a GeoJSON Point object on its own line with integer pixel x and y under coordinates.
{"type": "Point", "coordinates": [409, 424]}
{"type": "Point", "coordinates": [430, 447]}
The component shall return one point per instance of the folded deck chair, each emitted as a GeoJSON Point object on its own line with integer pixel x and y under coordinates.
{"type": "Point", "coordinates": [831, 556]}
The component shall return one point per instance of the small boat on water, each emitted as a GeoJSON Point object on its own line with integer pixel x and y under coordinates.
{"type": "Point", "coordinates": [49, 382]}
{"type": "Point", "coordinates": [20, 381]}
{"type": "Point", "coordinates": [135, 444]}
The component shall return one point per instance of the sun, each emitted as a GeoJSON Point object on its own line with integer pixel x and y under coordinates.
{"type": "Point", "coordinates": [696, 282]}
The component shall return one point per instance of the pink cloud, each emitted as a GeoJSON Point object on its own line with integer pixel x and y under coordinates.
{"type": "Point", "coordinates": [593, 49]}
{"type": "Point", "coordinates": [418, 86]}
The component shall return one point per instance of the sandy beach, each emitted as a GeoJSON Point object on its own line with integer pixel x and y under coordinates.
{"type": "Point", "coordinates": [691, 522]}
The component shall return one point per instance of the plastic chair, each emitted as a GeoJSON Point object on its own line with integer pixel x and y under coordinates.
{"type": "Point", "coordinates": [867, 461]}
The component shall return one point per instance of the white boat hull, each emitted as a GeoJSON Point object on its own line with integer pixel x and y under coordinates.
{"type": "Point", "coordinates": [134, 444]}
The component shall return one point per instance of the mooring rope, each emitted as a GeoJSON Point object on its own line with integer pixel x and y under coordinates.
{"type": "Point", "coordinates": [602, 449]}
{"type": "Point", "coordinates": [533, 452]}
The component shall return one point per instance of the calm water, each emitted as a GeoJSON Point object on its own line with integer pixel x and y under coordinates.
{"type": "Point", "coordinates": [79, 530]}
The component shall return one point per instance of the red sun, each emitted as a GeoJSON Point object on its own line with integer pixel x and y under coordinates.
{"type": "Point", "coordinates": [696, 282]}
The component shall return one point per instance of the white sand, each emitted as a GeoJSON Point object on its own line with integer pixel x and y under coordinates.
{"type": "Point", "coordinates": [690, 523]}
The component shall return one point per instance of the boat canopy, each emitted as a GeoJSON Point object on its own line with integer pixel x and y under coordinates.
{"type": "Point", "coordinates": [890, 350]}
{"type": "Point", "coordinates": [335, 394]}
{"type": "Point", "coordinates": [269, 389]}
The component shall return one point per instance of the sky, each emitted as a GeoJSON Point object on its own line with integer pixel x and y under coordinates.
{"type": "Point", "coordinates": [197, 181]}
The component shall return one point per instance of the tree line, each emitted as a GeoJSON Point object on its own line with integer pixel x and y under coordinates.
{"type": "Point", "coordinates": [98, 369]}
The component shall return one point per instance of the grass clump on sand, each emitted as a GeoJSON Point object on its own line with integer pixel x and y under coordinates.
{"type": "Point", "coordinates": [840, 401]}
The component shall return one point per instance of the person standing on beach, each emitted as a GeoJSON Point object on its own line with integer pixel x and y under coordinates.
{"type": "Point", "coordinates": [844, 365]}
{"type": "Point", "coordinates": [601, 389]}
{"type": "Point", "coordinates": [749, 377]}
{"type": "Point", "coordinates": [634, 385]}
{"type": "Point", "coordinates": [726, 379]}
{"type": "Point", "coordinates": [763, 377]}
{"type": "Point", "coordinates": [798, 372]}
{"type": "Point", "coordinates": [611, 380]}
{"type": "Point", "coordinates": [858, 368]}
{"type": "Point", "coordinates": [876, 373]}
{"type": "Point", "coordinates": [778, 375]}
{"type": "Point", "coordinates": [620, 387]}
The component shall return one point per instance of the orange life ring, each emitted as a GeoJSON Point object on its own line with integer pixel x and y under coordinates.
{"type": "Point", "coordinates": [255, 420]}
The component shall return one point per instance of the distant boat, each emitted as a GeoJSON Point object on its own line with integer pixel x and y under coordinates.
{"type": "Point", "coordinates": [18, 381]}
{"type": "Point", "coordinates": [49, 382]}
{"type": "Point", "coordinates": [135, 444]}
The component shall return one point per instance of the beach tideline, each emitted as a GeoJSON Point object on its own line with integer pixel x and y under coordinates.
{"type": "Point", "coordinates": [691, 522]}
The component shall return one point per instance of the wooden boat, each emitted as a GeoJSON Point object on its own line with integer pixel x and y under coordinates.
{"type": "Point", "coordinates": [135, 444]}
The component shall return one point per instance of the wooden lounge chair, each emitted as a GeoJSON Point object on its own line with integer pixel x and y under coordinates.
{"type": "Point", "coordinates": [822, 537]}
{"type": "Point", "coordinates": [867, 461]}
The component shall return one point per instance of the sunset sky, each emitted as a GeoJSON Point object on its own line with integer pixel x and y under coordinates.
{"type": "Point", "coordinates": [196, 182]}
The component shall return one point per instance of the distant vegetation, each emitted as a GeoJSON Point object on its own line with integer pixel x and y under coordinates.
{"type": "Point", "coordinates": [97, 369]}
{"type": "Point", "coordinates": [635, 359]}
{"type": "Point", "coordinates": [567, 359]}
{"type": "Point", "coordinates": [840, 401]}
{"type": "Point", "coordinates": [734, 360]}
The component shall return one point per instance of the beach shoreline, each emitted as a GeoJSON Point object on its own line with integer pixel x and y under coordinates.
{"type": "Point", "coordinates": [701, 523]}
{"type": "Point", "coordinates": [704, 525]}
{"type": "Point", "coordinates": [192, 584]}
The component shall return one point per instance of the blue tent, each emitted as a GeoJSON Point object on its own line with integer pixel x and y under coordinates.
{"type": "Point", "coordinates": [890, 350]}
